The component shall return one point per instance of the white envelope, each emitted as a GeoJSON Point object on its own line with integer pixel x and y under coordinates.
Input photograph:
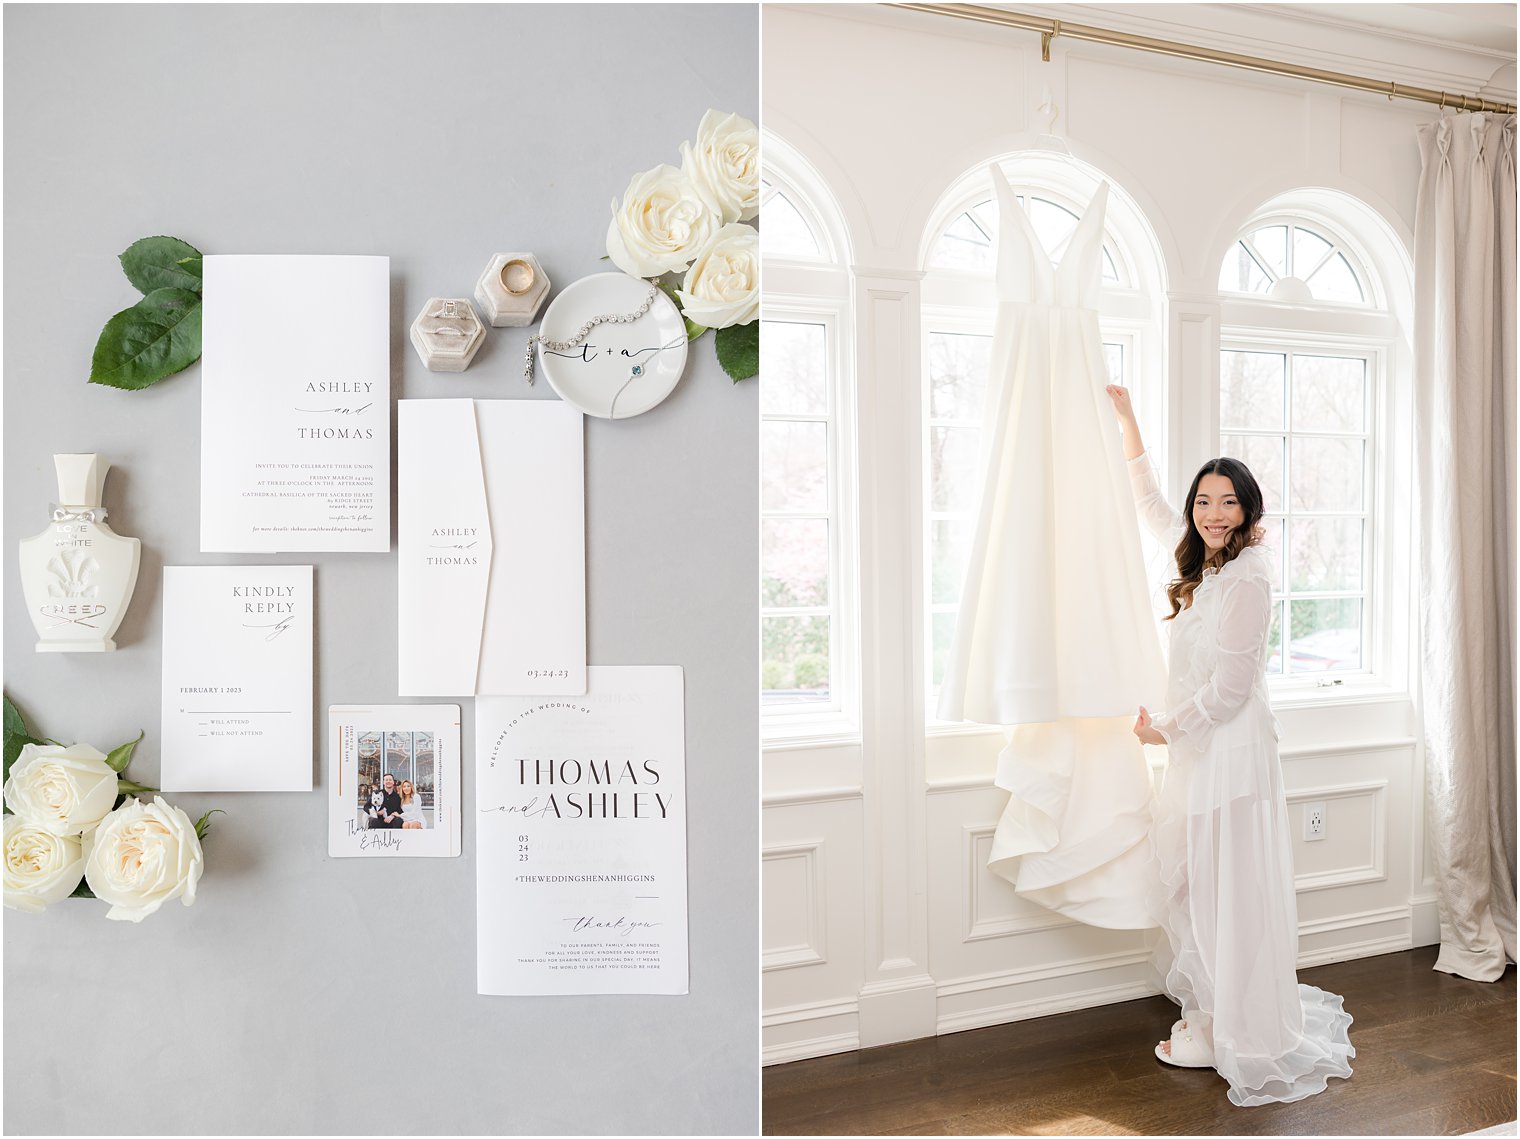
{"type": "Point", "coordinates": [491, 530]}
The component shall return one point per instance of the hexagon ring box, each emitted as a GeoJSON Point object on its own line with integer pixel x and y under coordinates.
{"type": "Point", "coordinates": [512, 290]}
{"type": "Point", "coordinates": [447, 334]}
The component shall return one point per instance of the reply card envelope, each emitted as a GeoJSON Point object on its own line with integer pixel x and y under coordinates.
{"type": "Point", "coordinates": [237, 696]}
{"type": "Point", "coordinates": [393, 781]}
{"type": "Point", "coordinates": [581, 843]}
{"type": "Point", "coordinates": [295, 404]}
{"type": "Point", "coordinates": [491, 524]}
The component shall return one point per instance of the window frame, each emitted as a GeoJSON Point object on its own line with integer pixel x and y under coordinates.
{"type": "Point", "coordinates": [840, 716]}
{"type": "Point", "coordinates": [1373, 646]}
{"type": "Point", "coordinates": [1340, 242]}
{"type": "Point", "coordinates": [820, 290]}
{"type": "Point", "coordinates": [1374, 340]}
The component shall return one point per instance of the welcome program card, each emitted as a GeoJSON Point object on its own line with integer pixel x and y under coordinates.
{"type": "Point", "coordinates": [581, 839]}
{"type": "Point", "coordinates": [393, 781]}
{"type": "Point", "coordinates": [237, 695]}
{"type": "Point", "coordinates": [295, 404]}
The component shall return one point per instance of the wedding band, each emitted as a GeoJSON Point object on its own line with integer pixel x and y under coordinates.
{"type": "Point", "coordinates": [519, 271]}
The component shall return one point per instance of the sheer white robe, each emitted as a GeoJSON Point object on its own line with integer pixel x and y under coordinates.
{"type": "Point", "coordinates": [1224, 892]}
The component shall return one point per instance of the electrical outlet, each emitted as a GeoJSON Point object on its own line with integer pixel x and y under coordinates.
{"type": "Point", "coordinates": [1314, 822]}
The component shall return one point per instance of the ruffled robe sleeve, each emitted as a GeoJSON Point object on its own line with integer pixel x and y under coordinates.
{"type": "Point", "coordinates": [1155, 511]}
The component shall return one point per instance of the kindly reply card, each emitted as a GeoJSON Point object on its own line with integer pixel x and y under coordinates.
{"type": "Point", "coordinates": [581, 841]}
{"type": "Point", "coordinates": [295, 405]}
{"type": "Point", "coordinates": [237, 696]}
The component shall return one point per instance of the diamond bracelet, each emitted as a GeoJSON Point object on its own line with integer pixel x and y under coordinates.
{"type": "Point", "coordinates": [585, 331]}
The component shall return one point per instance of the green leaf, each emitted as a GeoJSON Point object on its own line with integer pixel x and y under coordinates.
{"type": "Point", "coordinates": [82, 890]}
{"type": "Point", "coordinates": [738, 349]}
{"type": "Point", "coordinates": [192, 266]}
{"type": "Point", "coordinates": [159, 263]}
{"type": "Point", "coordinates": [203, 824]}
{"type": "Point", "coordinates": [121, 756]}
{"type": "Point", "coordinates": [693, 329]}
{"type": "Point", "coordinates": [17, 736]}
{"type": "Point", "coordinates": [127, 787]}
{"type": "Point", "coordinates": [156, 337]}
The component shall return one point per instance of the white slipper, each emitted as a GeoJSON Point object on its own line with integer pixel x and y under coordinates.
{"type": "Point", "coordinates": [1188, 1051]}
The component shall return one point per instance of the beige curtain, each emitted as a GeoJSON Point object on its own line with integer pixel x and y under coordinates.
{"type": "Point", "coordinates": [1465, 453]}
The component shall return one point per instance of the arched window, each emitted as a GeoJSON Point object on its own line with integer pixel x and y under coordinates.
{"type": "Point", "coordinates": [1309, 343]}
{"type": "Point", "coordinates": [1293, 258]}
{"type": "Point", "coordinates": [959, 303]}
{"type": "Point", "coordinates": [808, 613]}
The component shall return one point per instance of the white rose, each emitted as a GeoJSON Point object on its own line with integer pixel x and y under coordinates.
{"type": "Point", "coordinates": [144, 855]}
{"type": "Point", "coordinates": [66, 790]}
{"type": "Point", "coordinates": [723, 285]}
{"type": "Point", "coordinates": [40, 867]}
{"type": "Point", "coordinates": [661, 224]}
{"type": "Point", "coordinates": [725, 164]}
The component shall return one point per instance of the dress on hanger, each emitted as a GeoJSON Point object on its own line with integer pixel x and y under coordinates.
{"type": "Point", "coordinates": [1056, 636]}
{"type": "Point", "coordinates": [1223, 887]}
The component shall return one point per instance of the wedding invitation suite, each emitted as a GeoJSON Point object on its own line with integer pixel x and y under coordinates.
{"type": "Point", "coordinates": [491, 523]}
{"type": "Point", "coordinates": [393, 781]}
{"type": "Point", "coordinates": [581, 841]}
{"type": "Point", "coordinates": [295, 404]}
{"type": "Point", "coordinates": [237, 696]}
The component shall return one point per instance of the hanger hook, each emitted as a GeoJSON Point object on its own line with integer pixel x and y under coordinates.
{"type": "Point", "coordinates": [1046, 37]}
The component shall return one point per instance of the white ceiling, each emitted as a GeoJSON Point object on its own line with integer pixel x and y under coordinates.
{"type": "Point", "coordinates": [1486, 27]}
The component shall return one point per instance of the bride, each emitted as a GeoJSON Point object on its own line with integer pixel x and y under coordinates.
{"type": "Point", "coordinates": [1225, 895]}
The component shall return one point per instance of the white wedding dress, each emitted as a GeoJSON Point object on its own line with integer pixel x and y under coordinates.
{"type": "Point", "coordinates": [1056, 637]}
{"type": "Point", "coordinates": [1222, 888]}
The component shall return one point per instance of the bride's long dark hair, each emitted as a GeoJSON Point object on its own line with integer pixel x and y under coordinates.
{"type": "Point", "coordinates": [1193, 555]}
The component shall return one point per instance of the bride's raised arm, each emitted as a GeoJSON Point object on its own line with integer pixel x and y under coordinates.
{"type": "Point", "coordinates": [1158, 515]}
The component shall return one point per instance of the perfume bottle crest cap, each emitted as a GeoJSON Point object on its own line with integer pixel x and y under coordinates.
{"type": "Point", "coordinates": [81, 479]}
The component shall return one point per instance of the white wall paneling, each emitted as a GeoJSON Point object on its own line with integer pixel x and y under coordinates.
{"type": "Point", "coordinates": [899, 113]}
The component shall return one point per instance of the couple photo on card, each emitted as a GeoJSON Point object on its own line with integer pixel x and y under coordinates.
{"type": "Point", "coordinates": [402, 797]}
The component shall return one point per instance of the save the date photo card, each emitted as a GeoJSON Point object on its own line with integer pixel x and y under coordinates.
{"type": "Point", "coordinates": [581, 840]}
{"type": "Point", "coordinates": [295, 404]}
{"type": "Point", "coordinates": [393, 781]}
{"type": "Point", "coordinates": [237, 691]}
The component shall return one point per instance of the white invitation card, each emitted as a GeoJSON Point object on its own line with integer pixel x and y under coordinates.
{"type": "Point", "coordinates": [393, 781]}
{"type": "Point", "coordinates": [581, 841]}
{"type": "Point", "coordinates": [295, 404]}
{"type": "Point", "coordinates": [237, 696]}
{"type": "Point", "coordinates": [491, 523]}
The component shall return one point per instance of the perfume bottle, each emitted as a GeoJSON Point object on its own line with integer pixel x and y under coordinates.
{"type": "Point", "coordinates": [77, 576]}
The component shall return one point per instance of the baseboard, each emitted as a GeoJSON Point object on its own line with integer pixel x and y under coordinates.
{"type": "Point", "coordinates": [1058, 987]}
{"type": "Point", "coordinates": [1030, 1009]}
{"type": "Point", "coordinates": [1424, 921]}
{"type": "Point", "coordinates": [782, 1042]}
{"type": "Point", "coordinates": [808, 1049]}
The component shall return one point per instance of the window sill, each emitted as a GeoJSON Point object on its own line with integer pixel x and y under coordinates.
{"type": "Point", "coordinates": [1359, 689]}
{"type": "Point", "coordinates": [800, 733]}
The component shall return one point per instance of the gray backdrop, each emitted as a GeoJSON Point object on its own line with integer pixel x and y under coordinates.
{"type": "Point", "coordinates": [436, 135]}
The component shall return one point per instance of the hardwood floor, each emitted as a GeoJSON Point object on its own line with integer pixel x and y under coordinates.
{"type": "Point", "coordinates": [1435, 1056]}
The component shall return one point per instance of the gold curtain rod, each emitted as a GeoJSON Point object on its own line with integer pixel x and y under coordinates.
{"type": "Point", "coordinates": [1050, 29]}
